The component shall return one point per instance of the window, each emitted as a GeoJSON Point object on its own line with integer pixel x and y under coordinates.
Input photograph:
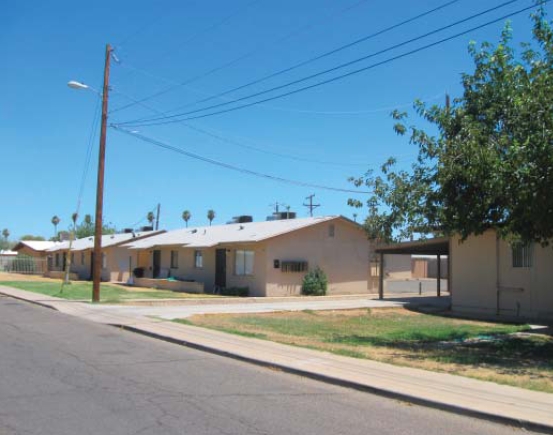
{"type": "Point", "coordinates": [57, 260]}
{"type": "Point", "coordinates": [294, 266]}
{"type": "Point", "coordinates": [198, 259]}
{"type": "Point", "coordinates": [72, 258]}
{"type": "Point", "coordinates": [174, 259]}
{"type": "Point", "coordinates": [331, 230]}
{"type": "Point", "coordinates": [522, 255]}
{"type": "Point", "coordinates": [104, 261]}
{"type": "Point", "coordinates": [243, 262]}
{"type": "Point", "coordinates": [82, 258]}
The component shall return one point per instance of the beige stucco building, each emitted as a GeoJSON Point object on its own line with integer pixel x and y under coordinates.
{"type": "Point", "coordinates": [117, 261]}
{"type": "Point", "coordinates": [490, 276]}
{"type": "Point", "coordinates": [269, 257]}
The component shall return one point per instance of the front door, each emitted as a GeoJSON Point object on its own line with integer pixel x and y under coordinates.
{"type": "Point", "coordinates": [156, 264]}
{"type": "Point", "coordinates": [221, 268]}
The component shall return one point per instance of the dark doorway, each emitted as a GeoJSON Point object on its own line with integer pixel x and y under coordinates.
{"type": "Point", "coordinates": [156, 266]}
{"type": "Point", "coordinates": [221, 268]}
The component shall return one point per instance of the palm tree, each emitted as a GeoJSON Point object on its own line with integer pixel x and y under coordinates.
{"type": "Point", "coordinates": [210, 216]}
{"type": "Point", "coordinates": [186, 217]}
{"type": "Point", "coordinates": [6, 233]}
{"type": "Point", "coordinates": [151, 217]}
{"type": "Point", "coordinates": [55, 221]}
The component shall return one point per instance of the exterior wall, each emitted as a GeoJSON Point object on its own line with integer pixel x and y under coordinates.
{"type": "Point", "coordinates": [397, 266]}
{"type": "Point", "coordinates": [428, 267]}
{"type": "Point", "coordinates": [256, 282]}
{"type": "Point", "coordinates": [344, 258]}
{"type": "Point", "coordinates": [524, 292]}
{"type": "Point", "coordinates": [187, 269]}
{"type": "Point", "coordinates": [82, 270]}
{"type": "Point", "coordinates": [120, 263]}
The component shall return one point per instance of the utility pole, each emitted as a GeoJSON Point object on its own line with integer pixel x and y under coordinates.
{"type": "Point", "coordinates": [157, 216]}
{"type": "Point", "coordinates": [97, 266]}
{"type": "Point", "coordinates": [311, 206]}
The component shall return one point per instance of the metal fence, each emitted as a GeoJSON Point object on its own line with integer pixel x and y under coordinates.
{"type": "Point", "coordinates": [24, 264]}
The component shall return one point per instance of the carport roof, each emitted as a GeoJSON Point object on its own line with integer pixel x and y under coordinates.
{"type": "Point", "coordinates": [435, 246]}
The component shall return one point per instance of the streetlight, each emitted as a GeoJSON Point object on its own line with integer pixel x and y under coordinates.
{"type": "Point", "coordinates": [97, 263]}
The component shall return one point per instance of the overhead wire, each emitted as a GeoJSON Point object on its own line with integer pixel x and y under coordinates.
{"type": "Point", "coordinates": [170, 119]}
{"type": "Point", "coordinates": [218, 136]}
{"type": "Point", "coordinates": [88, 155]}
{"type": "Point", "coordinates": [321, 56]}
{"type": "Point", "coordinates": [278, 108]}
{"type": "Point", "coordinates": [236, 60]}
{"type": "Point", "coordinates": [195, 156]}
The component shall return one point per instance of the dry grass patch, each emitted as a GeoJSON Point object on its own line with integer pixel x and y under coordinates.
{"type": "Point", "coordinates": [488, 351]}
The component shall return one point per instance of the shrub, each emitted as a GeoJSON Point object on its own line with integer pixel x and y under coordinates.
{"type": "Point", "coordinates": [315, 283]}
{"type": "Point", "coordinates": [235, 291]}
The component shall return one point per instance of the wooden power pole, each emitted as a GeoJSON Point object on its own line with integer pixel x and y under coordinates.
{"type": "Point", "coordinates": [97, 265]}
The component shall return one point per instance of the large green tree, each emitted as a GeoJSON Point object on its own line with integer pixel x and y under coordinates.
{"type": "Point", "coordinates": [489, 163]}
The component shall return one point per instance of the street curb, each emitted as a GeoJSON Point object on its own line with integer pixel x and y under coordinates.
{"type": "Point", "coordinates": [39, 303]}
{"type": "Point", "coordinates": [522, 424]}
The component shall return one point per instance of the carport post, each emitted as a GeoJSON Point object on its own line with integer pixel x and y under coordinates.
{"type": "Point", "coordinates": [439, 283]}
{"type": "Point", "coordinates": [381, 277]}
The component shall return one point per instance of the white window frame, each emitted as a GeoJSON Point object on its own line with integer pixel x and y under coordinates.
{"type": "Point", "coordinates": [104, 261]}
{"type": "Point", "coordinates": [198, 259]}
{"type": "Point", "coordinates": [243, 267]}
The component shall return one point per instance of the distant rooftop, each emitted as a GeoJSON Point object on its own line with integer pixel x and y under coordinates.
{"type": "Point", "coordinates": [107, 241]}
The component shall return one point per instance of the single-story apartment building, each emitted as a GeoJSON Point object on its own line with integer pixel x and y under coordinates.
{"type": "Point", "coordinates": [491, 276]}
{"type": "Point", "coordinates": [269, 257]}
{"type": "Point", "coordinates": [35, 248]}
{"type": "Point", "coordinates": [117, 261]}
{"type": "Point", "coordinates": [488, 276]}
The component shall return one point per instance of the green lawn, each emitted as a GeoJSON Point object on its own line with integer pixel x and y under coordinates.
{"type": "Point", "coordinates": [83, 291]}
{"type": "Point", "coordinates": [489, 351]}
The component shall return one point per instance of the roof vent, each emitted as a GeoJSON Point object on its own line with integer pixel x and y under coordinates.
{"type": "Point", "coordinates": [242, 219]}
{"type": "Point", "coordinates": [194, 231]}
{"type": "Point", "coordinates": [241, 227]}
{"type": "Point", "coordinates": [282, 215]}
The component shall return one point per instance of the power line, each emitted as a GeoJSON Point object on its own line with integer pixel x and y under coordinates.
{"type": "Point", "coordinates": [221, 138]}
{"type": "Point", "coordinates": [170, 120]}
{"type": "Point", "coordinates": [88, 155]}
{"type": "Point", "coordinates": [229, 166]}
{"type": "Point", "coordinates": [278, 108]}
{"type": "Point", "coordinates": [341, 66]}
{"type": "Point", "coordinates": [321, 56]}
{"type": "Point", "coordinates": [234, 61]}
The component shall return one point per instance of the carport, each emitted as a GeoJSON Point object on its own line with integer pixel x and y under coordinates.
{"type": "Point", "coordinates": [438, 246]}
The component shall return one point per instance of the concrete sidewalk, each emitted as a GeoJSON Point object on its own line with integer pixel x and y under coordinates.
{"type": "Point", "coordinates": [515, 406]}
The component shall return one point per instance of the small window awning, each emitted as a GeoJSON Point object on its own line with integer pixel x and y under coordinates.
{"type": "Point", "coordinates": [435, 246]}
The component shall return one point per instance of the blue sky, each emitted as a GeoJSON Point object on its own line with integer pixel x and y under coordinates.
{"type": "Point", "coordinates": [321, 136]}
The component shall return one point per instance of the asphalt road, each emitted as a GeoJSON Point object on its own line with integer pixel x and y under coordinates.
{"type": "Point", "coordinates": [63, 375]}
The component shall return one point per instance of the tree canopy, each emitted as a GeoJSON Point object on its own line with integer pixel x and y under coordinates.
{"type": "Point", "coordinates": [490, 164]}
{"type": "Point", "coordinates": [86, 228]}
